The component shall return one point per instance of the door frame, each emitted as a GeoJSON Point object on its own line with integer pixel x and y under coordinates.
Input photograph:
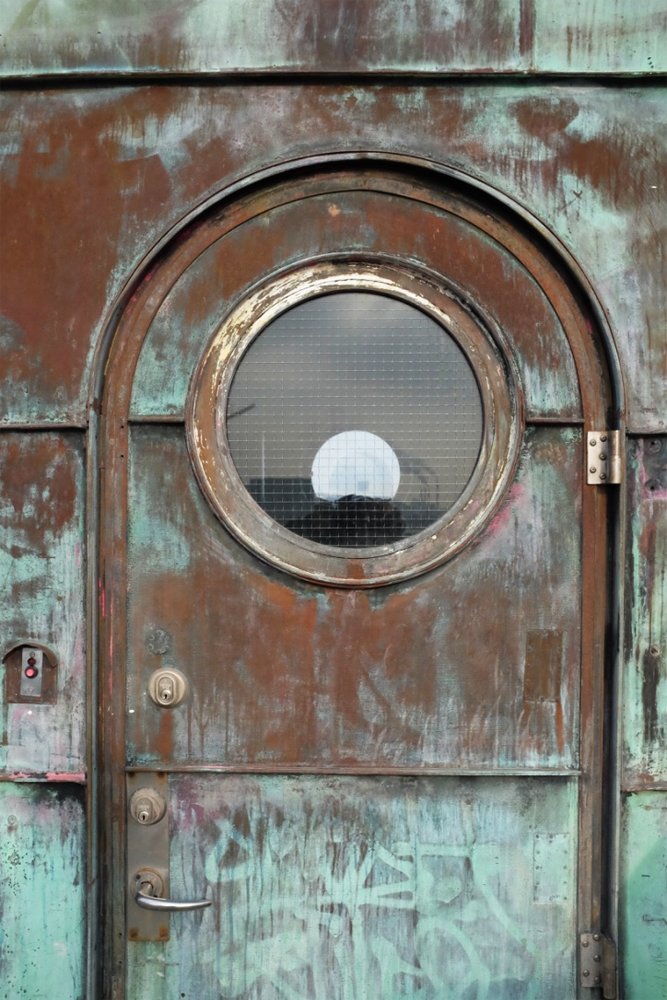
{"type": "Point", "coordinates": [601, 387]}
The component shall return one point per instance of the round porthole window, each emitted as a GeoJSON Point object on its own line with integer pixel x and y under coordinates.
{"type": "Point", "coordinates": [352, 424]}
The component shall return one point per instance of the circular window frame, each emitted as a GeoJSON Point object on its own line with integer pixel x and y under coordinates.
{"type": "Point", "coordinates": [224, 489]}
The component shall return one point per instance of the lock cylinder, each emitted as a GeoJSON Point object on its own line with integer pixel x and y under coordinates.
{"type": "Point", "coordinates": [147, 806]}
{"type": "Point", "coordinates": [168, 687]}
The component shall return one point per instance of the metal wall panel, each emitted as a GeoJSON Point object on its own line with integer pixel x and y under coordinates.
{"type": "Point", "coordinates": [273, 661]}
{"type": "Point", "coordinates": [42, 566]}
{"type": "Point", "coordinates": [333, 36]}
{"type": "Point", "coordinates": [643, 916]}
{"type": "Point", "coordinates": [42, 892]}
{"type": "Point", "coordinates": [350, 887]}
{"type": "Point", "coordinates": [645, 667]}
{"type": "Point", "coordinates": [112, 169]}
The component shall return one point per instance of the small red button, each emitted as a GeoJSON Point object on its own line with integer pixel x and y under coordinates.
{"type": "Point", "coordinates": [31, 672]}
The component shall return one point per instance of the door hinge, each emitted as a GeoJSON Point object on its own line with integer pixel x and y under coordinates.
{"type": "Point", "coordinates": [597, 963]}
{"type": "Point", "coordinates": [604, 463]}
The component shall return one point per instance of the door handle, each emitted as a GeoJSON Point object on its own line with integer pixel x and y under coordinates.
{"type": "Point", "coordinates": [143, 888]}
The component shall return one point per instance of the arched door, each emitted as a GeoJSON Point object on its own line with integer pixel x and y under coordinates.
{"type": "Point", "coordinates": [344, 497]}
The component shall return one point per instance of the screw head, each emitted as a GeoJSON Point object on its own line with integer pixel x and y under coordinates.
{"type": "Point", "coordinates": [603, 456]}
{"type": "Point", "coordinates": [603, 475]}
{"type": "Point", "coordinates": [596, 937]}
{"type": "Point", "coordinates": [654, 650]}
{"type": "Point", "coordinates": [593, 469]}
{"type": "Point", "coordinates": [584, 943]}
{"type": "Point", "coordinates": [592, 442]}
{"type": "Point", "coordinates": [603, 437]}
{"type": "Point", "coordinates": [585, 973]}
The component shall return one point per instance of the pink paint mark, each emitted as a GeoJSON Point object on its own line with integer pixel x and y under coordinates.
{"type": "Point", "coordinates": [78, 778]}
{"type": "Point", "coordinates": [103, 604]}
{"type": "Point", "coordinates": [507, 511]}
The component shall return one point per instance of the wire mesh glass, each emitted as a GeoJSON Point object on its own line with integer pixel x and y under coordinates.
{"type": "Point", "coordinates": [355, 419]}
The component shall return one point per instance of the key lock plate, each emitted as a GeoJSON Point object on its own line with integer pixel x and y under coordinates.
{"type": "Point", "coordinates": [149, 902]}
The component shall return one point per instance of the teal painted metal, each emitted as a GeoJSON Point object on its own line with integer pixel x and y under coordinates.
{"type": "Point", "coordinates": [645, 666]}
{"type": "Point", "coordinates": [42, 565]}
{"type": "Point", "coordinates": [643, 916]}
{"type": "Point", "coordinates": [351, 887]}
{"type": "Point", "coordinates": [333, 36]}
{"type": "Point", "coordinates": [42, 892]}
{"type": "Point", "coordinates": [589, 161]}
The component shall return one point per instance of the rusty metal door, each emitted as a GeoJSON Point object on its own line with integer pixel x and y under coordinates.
{"type": "Point", "coordinates": [385, 773]}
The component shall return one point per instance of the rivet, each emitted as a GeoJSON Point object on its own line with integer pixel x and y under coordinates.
{"type": "Point", "coordinates": [603, 437]}
{"type": "Point", "coordinates": [592, 469]}
{"type": "Point", "coordinates": [597, 958]}
{"type": "Point", "coordinates": [597, 980]}
{"type": "Point", "coordinates": [603, 456]}
{"type": "Point", "coordinates": [596, 937]}
{"type": "Point", "coordinates": [592, 442]}
{"type": "Point", "coordinates": [603, 475]}
{"type": "Point", "coordinates": [584, 943]}
{"type": "Point", "coordinates": [654, 650]}
{"type": "Point", "coordinates": [585, 973]}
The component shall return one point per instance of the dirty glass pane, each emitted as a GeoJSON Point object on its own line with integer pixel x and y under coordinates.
{"type": "Point", "coordinates": [355, 419]}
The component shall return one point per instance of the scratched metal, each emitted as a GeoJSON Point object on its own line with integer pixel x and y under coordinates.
{"type": "Point", "coordinates": [42, 892]}
{"type": "Point", "coordinates": [645, 667]}
{"type": "Point", "coordinates": [112, 169]}
{"type": "Point", "coordinates": [340, 36]}
{"type": "Point", "coordinates": [42, 556]}
{"type": "Point", "coordinates": [287, 674]}
{"type": "Point", "coordinates": [643, 910]}
{"type": "Point", "coordinates": [343, 888]}
{"type": "Point", "coordinates": [355, 222]}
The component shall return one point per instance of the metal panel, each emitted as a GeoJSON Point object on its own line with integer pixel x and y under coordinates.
{"type": "Point", "coordinates": [645, 673]}
{"type": "Point", "coordinates": [357, 221]}
{"type": "Point", "coordinates": [112, 170]}
{"type": "Point", "coordinates": [333, 36]}
{"type": "Point", "coordinates": [42, 564]}
{"type": "Point", "coordinates": [410, 678]}
{"type": "Point", "coordinates": [643, 914]}
{"type": "Point", "coordinates": [42, 892]}
{"type": "Point", "coordinates": [285, 36]}
{"type": "Point", "coordinates": [600, 36]}
{"type": "Point", "coordinates": [344, 887]}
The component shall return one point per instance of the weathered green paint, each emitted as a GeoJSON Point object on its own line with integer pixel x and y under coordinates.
{"type": "Point", "coordinates": [351, 887]}
{"type": "Point", "coordinates": [587, 160]}
{"type": "Point", "coordinates": [42, 892]}
{"type": "Point", "coordinates": [339, 36]}
{"type": "Point", "coordinates": [643, 914]}
{"type": "Point", "coordinates": [42, 566]}
{"type": "Point", "coordinates": [645, 666]}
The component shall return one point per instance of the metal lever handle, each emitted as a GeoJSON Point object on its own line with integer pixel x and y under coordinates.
{"type": "Point", "coordinates": [149, 902]}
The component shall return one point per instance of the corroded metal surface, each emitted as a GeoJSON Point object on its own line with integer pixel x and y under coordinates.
{"type": "Point", "coordinates": [361, 214]}
{"type": "Point", "coordinates": [41, 566]}
{"type": "Point", "coordinates": [332, 36]}
{"type": "Point", "coordinates": [42, 892]}
{"type": "Point", "coordinates": [291, 675]}
{"type": "Point", "coordinates": [643, 915]}
{"type": "Point", "coordinates": [287, 677]}
{"type": "Point", "coordinates": [369, 887]}
{"type": "Point", "coordinates": [645, 673]}
{"type": "Point", "coordinates": [112, 170]}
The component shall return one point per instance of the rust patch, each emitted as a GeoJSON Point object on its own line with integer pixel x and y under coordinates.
{"type": "Point", "coordinates": [38, 482]}
{"type": "Point", "coordinates": [542, 671]}
{"type": "Point", "coordinates": [651, 662]}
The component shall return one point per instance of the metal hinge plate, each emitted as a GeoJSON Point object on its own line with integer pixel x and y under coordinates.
{"type": "Point", "coordinates": [597, 963]}
{"type": "Point", "coordinates": [603, 458]}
